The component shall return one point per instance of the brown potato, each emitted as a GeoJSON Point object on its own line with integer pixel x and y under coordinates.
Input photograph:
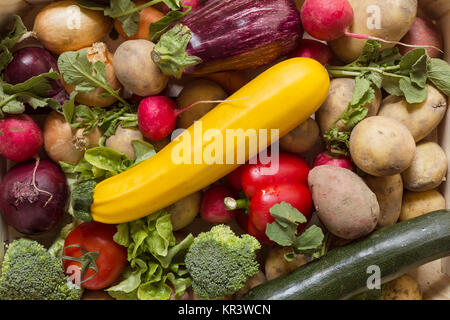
{"type": "Point", "coordinates": [395, 17]}
{"type": "Point", "coordinates": [420, 118]}
{"type": "Point", "coordinates": [303, 138]}
{"type": "Point", "coordinates": [195, 91]}
{"type": "Point", "coordinates": [136, 70]}
{"type": "Point", "coordinates": [344, 203]}
{"type": "Point", "coordinates": [252, 282]}
{"type": "Point", "coordinates": [402, 288]}
{"type": "Point", "coordinates": [389, 192]}
{"type": "Point", "coordinates": [382, 146]}
{"type": "Point", "coordinates": [339, 96]}
{"type": "Point", "coordinates": [121, 141]}
{"type": "Point", "coordinates": [277, 265]}
{"type": "Point", "coordinates": [415, 204]}
{"type": "Point", "coordinates": [428, 168]}
{"type": "Point", "coordinates": [184, 211]}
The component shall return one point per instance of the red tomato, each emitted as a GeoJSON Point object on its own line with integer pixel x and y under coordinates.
{"type": "Point", "coordinates": [291, 169]}
{"type": "Point", "coordinates": [96, 237]}
{"type": "Point", "coordinates": [297, 195]}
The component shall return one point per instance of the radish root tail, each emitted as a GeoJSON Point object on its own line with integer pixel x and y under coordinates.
{"type": "Point", "coordinates": [364, 37]}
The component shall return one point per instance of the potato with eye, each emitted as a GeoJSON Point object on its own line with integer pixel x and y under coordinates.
{"type": "Point", "coordinates": [136, 70]}
{"type": "Point", "coordinates": [277, 265]}
{"type": "Point", "coordinates": [420, 118]}
{"type": "Point", "coordinates": [302, 138]}
{"type": "Point", "coordinates": [122, 139]}
{"type": "Point", "coordinates": [402, 288]}
{"type": "Point", "coordinates": [415, 204]}
{"type": "Point", "coordinates": [428, 168]}
{"type": "Point", "coordinates": [184, 211]}
{"type": "Point", "coordinates": [387, 19]}
{"type": "Point", "coordinates": [389, 192]}
{"type": "Point", "coordinates": [382, 146]}
{"type": "Point", "coordinates": [195, 91]}
{"type": "Point", "coordinates": [339, 96]}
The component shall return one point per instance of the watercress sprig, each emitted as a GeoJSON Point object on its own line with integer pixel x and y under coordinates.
{"type": "Point", "coordinates": [126, 11]}
{"type": "Point", "coordinates": [403, 76]}
{"type": "Point", "coordinates": [77, 70]}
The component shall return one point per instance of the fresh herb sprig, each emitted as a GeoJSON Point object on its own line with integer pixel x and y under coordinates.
{"type": "Point", "coordinates": [17, 33]}
{"type": "Point", "coordinates": [127, 12]}
{"type": "Point", "coordinates": [283, 231]}
{"type": "Point", "coordinates": [98, 164]}
{"type": "Point", "coordinates": [403, 76]}
{"type": "Point", "coordinates": [77, 70]}
{"type": "Point", "coordinates": [32, 92]}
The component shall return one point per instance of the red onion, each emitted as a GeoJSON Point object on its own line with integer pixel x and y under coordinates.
{"type": "Point", "coordinates": [29, 62]}
{"type": "Point", "coordinates": [34, 196]}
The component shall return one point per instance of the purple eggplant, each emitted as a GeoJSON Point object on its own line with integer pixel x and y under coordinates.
{"type": "Point", "coordinates": [224, 35]}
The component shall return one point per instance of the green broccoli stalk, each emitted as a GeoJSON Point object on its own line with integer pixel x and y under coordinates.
{"type": "Point", "coordinates": [30, 272]}
{"type": "Point", "coordinates": [220, 262]}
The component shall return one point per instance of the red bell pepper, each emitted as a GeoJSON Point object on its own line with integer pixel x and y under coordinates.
{"type": "Point", "coordinates": [287, 184]}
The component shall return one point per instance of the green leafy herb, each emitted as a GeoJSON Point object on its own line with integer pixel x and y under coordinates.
{"type": "Point", "coordinates": [157, 28]}
{"type": "Point", "coordinates": [438, 72]}
{"type": "Point", "coordinates": [32, 92]}
{"type": "Point", "coordinates": [170, 52]}
{"type": "Point", "coordinates": [126, 11]}
{"type": "Point", "coordinates": [283, 231]}
{"type": "Point", "coordinates": [404, 76]}
{"type": "Point", "coordinates": [156, 260]}
{"type": "Point", "coordinates": [77, 70]}
{"type": "Point", "coordinates": [337, 138]}
{"type": "Point", "coordinates": [98, 164]}
{"type": "Point", "coordinates": [17, 33]}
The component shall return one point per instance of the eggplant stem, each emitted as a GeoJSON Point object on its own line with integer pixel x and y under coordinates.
{"type": "Point", "coordinates": [33, 182]}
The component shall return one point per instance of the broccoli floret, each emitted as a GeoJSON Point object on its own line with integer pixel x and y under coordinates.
{"type": "Point", "coordinates": [29, 272]}
{"type": "Point", "coordinates": [220, 262]}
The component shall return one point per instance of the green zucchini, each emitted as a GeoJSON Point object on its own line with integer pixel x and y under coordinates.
{"type": "Point", "coordinates": [343, 272]}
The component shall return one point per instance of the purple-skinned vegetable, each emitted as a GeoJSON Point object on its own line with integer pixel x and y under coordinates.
{"type": "Point", "coordinates": [224, 35]}
{"type": "Point", "coordinates": [33, 61]}
{"type": "Point", "coordinates": [34, 196]}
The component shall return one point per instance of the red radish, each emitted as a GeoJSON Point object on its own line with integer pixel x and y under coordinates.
{"type": "Point", "coordinates": [329, 20]}
{"type": "Point", "coordinates": [213, 209]}
{"type": "Point", "coordinates": [192, 3]}
{"type": "Point", "coordinates": [20, 138]}
{"type": "Point", "coordinates": [157, 116]}
{"type": "Point", "coordinates": [326, 20]}
{"type": "Point", "coordinates": [325, 158]}
{"type": "Point", "coordinates": [315, 50]}
{"type": "Point", "coordinates": [423, 32]}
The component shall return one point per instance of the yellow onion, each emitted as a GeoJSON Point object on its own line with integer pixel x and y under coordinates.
{"type": "Point", "coordinates": [64, 26]}
{"type": "Point", "coordinates": [98, 52]}
{"type": "Point", "coordinates": [62, 143]}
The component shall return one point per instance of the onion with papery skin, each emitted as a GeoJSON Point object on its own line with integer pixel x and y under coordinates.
{"type": "Point", "coordinates": [98, 52]}
{"type": "Point", "coordinates": [62, 143]}
{"type": "Point", "coordinates": [64, 26]}
{"type": "Point", "coordinates": [34, 196]}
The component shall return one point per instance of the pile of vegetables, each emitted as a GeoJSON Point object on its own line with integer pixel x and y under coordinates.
{"type": "Point", "coordinates": [95, 103]}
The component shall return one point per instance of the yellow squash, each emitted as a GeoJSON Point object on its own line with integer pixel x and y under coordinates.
{"type": "Point", "coordinates": [280, 98]}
